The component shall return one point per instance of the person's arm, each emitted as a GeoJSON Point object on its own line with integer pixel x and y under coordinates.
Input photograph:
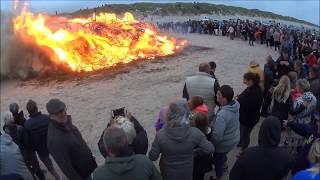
{"type": "Point", "coordinates": [204, 145]}
{"type": "Point", "coordinates": [218, 129]}
{"type": "Point", "coordinates": [155, 173]}
{"type": "Point", "coordinates": [155, 149]}
{"type": "Point", "coordinates": [185, 92]}
{"type": "Point", "coordinates": [62, 158]}
{"type": "Point", "coordinates": [296, 110]}
{"type": "Point", "coordinates": [301, 129]}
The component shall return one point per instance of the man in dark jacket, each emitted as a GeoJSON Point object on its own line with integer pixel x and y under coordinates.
{"type": "Point", "coordinates": [36, 128]}
{"type": "Point", "coordinates": [265, 161]}
{"type": "Point", "coordinates": [66, 144]}
{"type": "Point", "coordinates": [123, 164]}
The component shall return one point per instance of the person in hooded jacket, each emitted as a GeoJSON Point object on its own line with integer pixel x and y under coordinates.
{"type": "Point", "coordinates": [250, 103]}
{"type": "Point", "coordinates": [267, 160]}
{"type": "Point", "coordinates": [11, 161]}
{"type": "Point", "coordinates": [176, 143]}
{"type": "Point", "coordinates": [225, 129]}
{"type": "Point", "coordinates": [121, 163]}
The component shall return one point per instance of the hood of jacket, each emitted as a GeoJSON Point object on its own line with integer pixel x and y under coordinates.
{"type": "Point", "coordinates": [178, 134]}
{"type": "Point", "coordinates": [270, 132]}
{"type": "Point", "coordinates": [120, 165]}
{"type": "Point", "coordinates": [233, 107]}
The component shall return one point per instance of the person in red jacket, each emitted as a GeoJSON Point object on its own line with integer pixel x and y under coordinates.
{"type": "Point", "coordinates": [309, 57]}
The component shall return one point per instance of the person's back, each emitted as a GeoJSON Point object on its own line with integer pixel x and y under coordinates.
{"type": "Point", "coordinates": [177, 146]}
{"type": "Point", "coordinates": [37, 129]}
{"type": "Point", "coordinates": [266, 161]}
{"type": "Point", "coordinates": [176, 143]}
{"type": "Point", "coordinates": [135, 167]}
{"type": "Point", "coordinates": [202, 84]}
{"type": "Point", "coordinates": [11, 161]}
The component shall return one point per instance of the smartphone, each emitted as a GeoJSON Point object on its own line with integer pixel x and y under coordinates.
{"type": "Point", "coordinates": [118, 112]}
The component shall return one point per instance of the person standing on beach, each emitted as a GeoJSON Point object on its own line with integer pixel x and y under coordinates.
{"type": "Point", "coordinates": [66, 145]}
{"type": "Point", "coordinates": [202, 84]}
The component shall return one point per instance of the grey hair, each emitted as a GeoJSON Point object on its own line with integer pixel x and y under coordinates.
{"type": "Point", "coordinates": [303, 85]}
{"type": "Point", "coordinates": [178, 114]}
{"type": "Point", "coordinates": [14, 108]}
{"type": "Point", "coordinates": [127, 126]}
{"type": "Point", "coordinates": [8, 118]}
{"type": "Point", "coordinates": [115, 140]}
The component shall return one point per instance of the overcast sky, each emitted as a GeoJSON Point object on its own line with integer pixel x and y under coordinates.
{"type": "Point", "coordinates": [301, 9]}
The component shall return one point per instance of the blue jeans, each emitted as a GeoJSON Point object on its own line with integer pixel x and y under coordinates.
{"type": "Point", "coordinates": [218, 160]}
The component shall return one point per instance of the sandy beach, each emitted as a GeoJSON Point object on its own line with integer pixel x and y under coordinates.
{"type": "Point", "coordinates": [142, 88]}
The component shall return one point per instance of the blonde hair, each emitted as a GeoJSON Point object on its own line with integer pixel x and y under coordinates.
{"type": "Point", "coordinates": [314, 152]}
{"type": "Point", "coordinates": [314, 156]}
{"type": "Point", "coordinates": [281, 92]}
{"type": "Point", "coordinates": [127, 126]}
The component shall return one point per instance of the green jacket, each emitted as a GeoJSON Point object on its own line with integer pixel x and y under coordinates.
{"type": "Point", "coordinates": [135, 167]}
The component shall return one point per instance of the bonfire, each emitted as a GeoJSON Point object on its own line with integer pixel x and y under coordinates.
{"type": "Point", "coordinates": [101, 41]}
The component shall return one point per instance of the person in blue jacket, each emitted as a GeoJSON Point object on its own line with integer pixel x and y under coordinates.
{"type": "Point", "coordinates": [313, 173]}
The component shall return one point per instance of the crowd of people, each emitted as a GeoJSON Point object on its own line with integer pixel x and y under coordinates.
{"type": "Point", "coordinates": [193, 134]}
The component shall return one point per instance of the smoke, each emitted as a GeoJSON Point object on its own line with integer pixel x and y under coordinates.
{"type": "Point", "coordinates": [22, 59]}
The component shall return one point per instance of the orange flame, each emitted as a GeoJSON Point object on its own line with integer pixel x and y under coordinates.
{"type": "Point", "coordinates": [87, 44]}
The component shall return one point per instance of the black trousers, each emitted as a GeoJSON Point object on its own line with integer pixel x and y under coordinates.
{"type": "Point", "coordinates": [245, 132]}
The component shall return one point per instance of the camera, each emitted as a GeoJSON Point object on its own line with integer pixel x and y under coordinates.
{"type": "Point", "coordinates": [118, 112]}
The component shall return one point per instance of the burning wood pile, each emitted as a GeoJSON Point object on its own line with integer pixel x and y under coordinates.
{"type": "Point", "coordinates": [97, 42]}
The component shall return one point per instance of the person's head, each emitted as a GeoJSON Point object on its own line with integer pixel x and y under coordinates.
{"type": "Point", "coordinates": [314, 72]}
{"type": "Point", "coordinates": [32, 107]}
{"type": "Point", "coordinates": [293, 76]}
{"type": "Point", "coordinates": [225, 95]}
{"type": "Point", "coordinates": [127, 126]}
{"type": "Point", "coordinates": [177, 114]}
{"type": "Point", "coordinates": [200, 121]}
{"type": "Point", "coordinates": [14, 108]}
{"type": "Point", "coordinates": [314, 152]}
{"type": "Point", "coordinates": [250, 79]}
{"type": "Point", "coordinates": [298, 66]}
{"type": "Point", "coordinates": [204, 67]}
{"type": "Point", "coordinates": [8, 118]}
{"type": "Point", "coordinates": [57, 110]}
{"type": "Point", "coordinates": [195, 101]}
{"type": "Point", "coordinates": [302, 85]}
{"type": "Point", "coordinates": [307, 52]}
{"type": "Point", "coordinates": [270, 132]}
{"type": "Point", "coordinates": [253, 63]}
{"type": "Point", "coordinates": [282, 91]}
{"type": "Point", "coordinates": [115, 141]}
{"type": "Point", "coordinates": [285, 53]}
{"type": "Point", "coordinates": [213, 66]}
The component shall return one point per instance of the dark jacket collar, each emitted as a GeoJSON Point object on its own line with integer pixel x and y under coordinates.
{"type": "Point", "coordinates": [65, 127]}
{"type": "Point", "coordinates": [35, 114]}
